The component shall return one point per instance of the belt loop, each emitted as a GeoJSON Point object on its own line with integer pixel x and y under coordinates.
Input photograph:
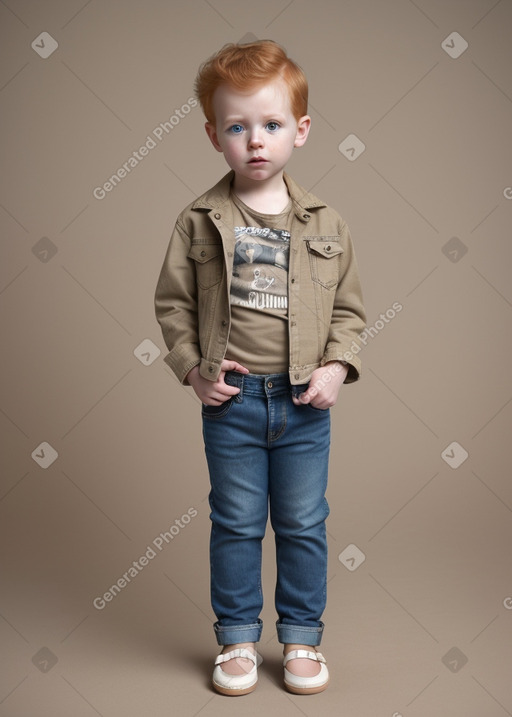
{"type": "Point", "coordinates": [298, 389]}
{"type": "Point", "coordinates": [236, 379]}
{"type": "Point", "coordinates": [239, 397]}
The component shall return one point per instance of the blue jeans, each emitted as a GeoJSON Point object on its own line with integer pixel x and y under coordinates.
{"type": "Point", "coordinates": [265, 452]}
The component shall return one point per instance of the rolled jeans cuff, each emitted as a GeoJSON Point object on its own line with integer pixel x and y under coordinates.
{"type": "Point", "coordinates": [299, 634]}
{"type": "Point", "coordinates": [233, 634]}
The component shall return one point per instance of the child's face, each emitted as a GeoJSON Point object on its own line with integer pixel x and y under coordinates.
{"type": "Point", "coordinates": [256, 130]}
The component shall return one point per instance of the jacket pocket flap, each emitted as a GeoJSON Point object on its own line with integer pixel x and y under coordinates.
{"type": "Point", "coordinates": [204, 252]}
{"type": "Point", "coordinates": [325, 247]}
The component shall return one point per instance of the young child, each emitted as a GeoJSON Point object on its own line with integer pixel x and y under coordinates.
{"type": "Point", "coordinates": [260, 306]}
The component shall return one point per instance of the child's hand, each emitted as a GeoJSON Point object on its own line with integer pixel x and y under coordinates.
{"type": "Point", "coordinates": [324, 385]}
{"type": "Point", "coordinates": [214, 393]}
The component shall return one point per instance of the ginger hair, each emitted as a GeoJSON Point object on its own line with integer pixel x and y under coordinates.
{"type": "Point", "coordinates": [248, 66]}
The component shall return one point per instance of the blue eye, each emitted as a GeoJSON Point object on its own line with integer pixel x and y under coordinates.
{"type": "Point", "coordinates": [236, 128]}
{"type": "Point", "coordinates": [272, 126]}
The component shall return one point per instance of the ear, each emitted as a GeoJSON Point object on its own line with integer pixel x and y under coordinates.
{"type": "Point", "coordinates": [303, 127]}
{"type": "Point", "coordinates": [212, 134]}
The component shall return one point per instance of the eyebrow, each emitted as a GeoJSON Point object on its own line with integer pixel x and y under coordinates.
{"type": "Point", "coordinates": [231, 119]}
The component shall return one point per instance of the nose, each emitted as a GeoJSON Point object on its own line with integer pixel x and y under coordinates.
{"type": "Point", "coordinates": [255, 140]}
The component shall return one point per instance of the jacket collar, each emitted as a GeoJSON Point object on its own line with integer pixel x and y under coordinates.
{"type": "Point", "coordinates": [219, 194]}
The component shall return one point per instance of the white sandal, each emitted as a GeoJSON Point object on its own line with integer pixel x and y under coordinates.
{"type": "Point", "coordinates": [234, 685]}
{"type": "Point", "coordinates": [306, 685]}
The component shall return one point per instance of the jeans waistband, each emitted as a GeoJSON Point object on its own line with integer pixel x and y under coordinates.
{"type": "Point", "coordinates": [261, 385]}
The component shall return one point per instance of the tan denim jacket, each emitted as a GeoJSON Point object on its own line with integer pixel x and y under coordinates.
{"type": "Point", "coordinates": [325, 306]}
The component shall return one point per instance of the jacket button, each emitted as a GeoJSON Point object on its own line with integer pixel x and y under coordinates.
{"type": "Point", "coordinates": [203, 253]}
{"type": "Point", "coordinates": [217, 216]}
{"type": "Point", "coordinates": [293, 281]}
{"type": "Point", "coordinates": [210, 369]}
{"type": "Point", "coordinates": [297, 375]}
{"type": "Point", "coordinates": [328, 247]}
{"type": "Point", "coordinates": [307, 216]}
{"type": "Point", "coordinates": [224, 322]}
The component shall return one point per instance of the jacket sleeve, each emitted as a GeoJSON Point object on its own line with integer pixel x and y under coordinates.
{"type": "Point", "coordinates": [348, 318]}
{"type": "Point", "coordinates": [176, 305]}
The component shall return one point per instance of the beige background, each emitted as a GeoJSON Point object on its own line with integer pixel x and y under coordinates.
{"type": "Point", "coordinates": [436, 585]}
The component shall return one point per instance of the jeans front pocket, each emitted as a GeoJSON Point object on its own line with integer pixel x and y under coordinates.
{"type": "Point", "coordinates": [318, 410]}
{"type": "Point", "coordinates": [302, 388]}
{"type": "Point", "coordinates": [215, 412]}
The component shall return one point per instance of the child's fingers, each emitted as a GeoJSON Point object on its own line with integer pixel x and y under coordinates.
{"type": "Point", "coordinates": [227, 391]}
{"type": "Point", "coordinates": [219, 394]}
{"type": "Point", "coordinates": [229, 365]}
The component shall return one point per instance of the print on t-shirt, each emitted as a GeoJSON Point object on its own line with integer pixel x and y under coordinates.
{"type": "Point", "coordinates": [260, 269]}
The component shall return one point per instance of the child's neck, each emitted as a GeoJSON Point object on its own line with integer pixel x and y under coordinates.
{"type": "Point", "coordinates": [268, 196]}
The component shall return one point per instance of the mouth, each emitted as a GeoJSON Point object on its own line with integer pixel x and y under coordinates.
{"type": "Point", "coordinates": [257, 160]}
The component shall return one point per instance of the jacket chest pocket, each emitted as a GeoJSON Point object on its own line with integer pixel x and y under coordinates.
{"type": "Point", "coordinates": [325, 254]}
{"type": "Point", "coordinates": [209, 262]}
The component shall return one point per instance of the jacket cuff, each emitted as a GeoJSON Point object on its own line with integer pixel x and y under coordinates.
{"type": "Point", "coordinates": [209, 369]}
{"type": "Point", "coordinates": [338, 353]}
{"type": "Point", "coordinates": [182, 359]}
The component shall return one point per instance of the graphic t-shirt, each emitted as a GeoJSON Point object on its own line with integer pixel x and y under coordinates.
{"type": "Point", "coordinates": [259, 289]}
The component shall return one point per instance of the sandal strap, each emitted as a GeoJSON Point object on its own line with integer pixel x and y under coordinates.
{"type": "Point", "coordinates": [238, 652]}
{"type": "Point", "coordinates": [308, 654]}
